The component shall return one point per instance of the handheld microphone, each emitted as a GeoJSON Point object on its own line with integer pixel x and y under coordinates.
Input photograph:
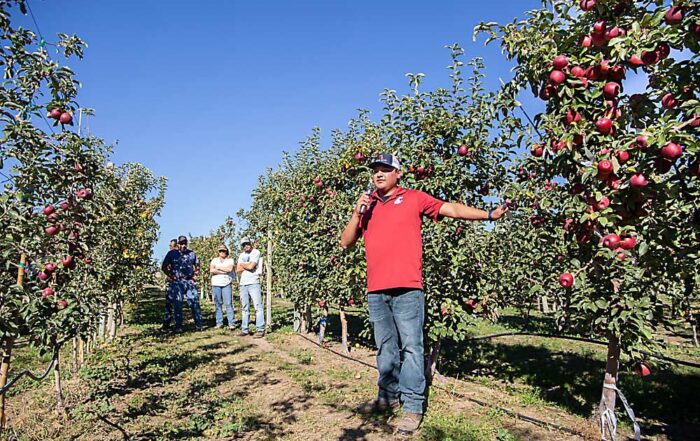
{"type": "Point", "coordinates": [368, 190]}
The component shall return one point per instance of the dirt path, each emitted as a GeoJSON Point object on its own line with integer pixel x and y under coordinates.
{"type": "Point", "coordinates": [217, 386]}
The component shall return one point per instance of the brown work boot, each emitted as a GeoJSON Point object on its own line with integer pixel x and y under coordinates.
{"type": "Point", "coordinates": [378, 405]}
{"type": "Point", "coordinates": [409, 424]}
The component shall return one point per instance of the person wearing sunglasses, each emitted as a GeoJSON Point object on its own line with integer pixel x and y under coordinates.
{"type": "Point", "coordinates": [390, 220]}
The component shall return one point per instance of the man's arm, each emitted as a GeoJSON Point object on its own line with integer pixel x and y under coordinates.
{"type": "Point", "coordinates": [352, 230]}
{"type": "Point", "coordinates": [461, 211]}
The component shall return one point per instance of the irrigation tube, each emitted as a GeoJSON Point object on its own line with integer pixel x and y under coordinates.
{"type": "Point", "coordinates": [29, 374]}
{"type": "Point", "coordinates": [509, 412]}
{"type": "Point", "coordinates": [586, 340]}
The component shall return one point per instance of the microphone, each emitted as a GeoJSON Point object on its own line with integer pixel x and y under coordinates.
{"type": "Point", "coordinates": [368, 190]}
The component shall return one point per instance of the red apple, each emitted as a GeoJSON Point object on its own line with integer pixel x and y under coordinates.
{"type": "Point", "coordinates": [67, 261]}
{"type": "Point", "coordinates": [623, 156]}
{"type": "Point", "coordinates": [602, 204]}
{"type": "Point", "coordinates": [47, 292]}
{"type": "Point", "coordinates": [599, 27]}
{"type": "Point", "coordinates": [642, 369]}
{"type": "Point", "coordinates": [48, 210]}
{"type": "Point", "coordinates": [694, 168]}
{"type": "Point", "coordinates": [566, 280]}
{"type": "Point", "coordinates": [43, 276]}
{"type": "Point", "coordinates": [560, 62]}
{"type": "Point", "coordinates": [471, 304]}
{"type": "Point", "coordinates": [55, 113]}
{"type": "Point", "coordinates": [605, 167]}
{"type": "Point", "coordinates": [572, 117]}
{"type": "Point", "coordinates": [351, 302]}
{"type": "Point", "coordinates": [604, 125]}
{"type": "Point", "coordinates": [577, 71]}
{"type": "Point", "coordinates": [618, 72]}
{"type": "Point", "coordinates": [614, 183]}
{"type": "Point", "coordinates": [663, 50]}
{"type": "Point", "coordinates": [668, 101]}
{"type": "Point", "coordinates": [612, 32]}
{"type": "Point", "coordinates": [587, 5]}
{"type": "Point", "coordinates": [51, 230]}
{"type": "Point", "coordinates": [50, 267]}
{"type": "Point", "coordinates": [636, 60]}
{"type": "Point", "coordinates": [674, 15]}
{"type": "Point", "coordinates": [695, 122]}
{"type": "Point", "coordinates": [64, 205]}
{"type": "Point", "coordinates": [598, 39]}
{"type": "Point", "coordinates": [642, 141]}
{"type": "Point", "coordinates": [621, 255]}
{"type": "Point", "coordinates": [557, 77]}
{"type": "Point", "coordinates": [66, 118]}
{"type": "Point", "coordinates": [628, 243]}
{"type": "Point", "coordinates": [671, 151]}
{"type": "Point", "coordinates": [611, 90]}
{"type": "Point", "coordinates": [548, 92]}
{"type": "Point", "coordinates": [537, 150]}
{"type": "Point", "coordinates": [586, 41]}
{"type": "Point", "coordinates": [359, 157]}
{"type": "Point", "coordinates": [638, 180]}
{"type": "Point", "coordinates": [650, 57]}
{"type": "Point", "coordinates": [569, 224]}
{"type": "Point", "coordinates": [61, 304]}
{"type": "Point", "coordinates": [611, 241]}
{"type": "Point", "coordinates": [321, 304]}
{"type": "Point", "coordinates": [462, 150]}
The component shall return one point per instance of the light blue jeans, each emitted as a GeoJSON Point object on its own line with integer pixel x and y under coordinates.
{"type": "Point", "coordinates": [222, 297]}
{"type": "Point", "coordinates": [397, 317]}
{"type": "Point", "coordinates": [254, 291]}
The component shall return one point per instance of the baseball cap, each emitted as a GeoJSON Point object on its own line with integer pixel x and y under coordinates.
{"type": "Point", "coordinates": [386, 159]}
{"type": "Point", "coordinates": [222, 247]}
{"type": "Point", "coordinates": [182, 239]}
{"type": "Point", "coordinates": [245, 240]}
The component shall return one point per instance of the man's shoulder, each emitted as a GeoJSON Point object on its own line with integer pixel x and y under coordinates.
{"type": "Point", "coordinates": [172, 254]}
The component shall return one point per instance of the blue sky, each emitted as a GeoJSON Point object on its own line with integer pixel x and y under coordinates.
{"type": "Point", "coordinates": [210, 93]}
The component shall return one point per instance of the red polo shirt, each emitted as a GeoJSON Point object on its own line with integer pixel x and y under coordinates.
{"type": "Point", "coordinates": [393, 242]}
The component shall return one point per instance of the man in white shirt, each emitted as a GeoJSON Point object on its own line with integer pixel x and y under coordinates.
{"type": "Point", "coordinates": [249, 269]}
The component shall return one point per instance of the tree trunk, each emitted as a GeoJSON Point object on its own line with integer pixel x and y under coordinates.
{"type": "Point", "coordinates": [609, 396]}
{"type": "Point", "coordinates": [268, 319]}
{"type": "Point", "coordinates": [298, 319]}
{"type": "Point", "coordinates": [74, 355]}
{"type": "Point", "coordinates": [81, 352]}
{"type": "Point", "coordinates": [110, 322]}
{"type": "Point", "coordinates": [4, 370]}
{"type": "Point", "coordinates": [322, 326]}
{"type": "Point", "coordinates": [308, 319]}
{"type": "Point", "coordinates": [344, 331]}
{"type": "Point", "coordinates": [431, 365]}
{"type": "Point", "coordinates": [57, 383]}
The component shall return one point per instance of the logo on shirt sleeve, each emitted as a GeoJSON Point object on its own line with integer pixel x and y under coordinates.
{"type": "Point", "coordinates": [398, 200]}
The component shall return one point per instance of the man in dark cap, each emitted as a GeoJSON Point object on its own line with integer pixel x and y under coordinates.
{"type": "Point", "coordinates": [181, 265]}
{"type": "Point", "coordinates": [390, 220]}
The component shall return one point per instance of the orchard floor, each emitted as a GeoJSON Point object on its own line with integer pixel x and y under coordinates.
{"type": "Point", "coordinates": [214, 385]}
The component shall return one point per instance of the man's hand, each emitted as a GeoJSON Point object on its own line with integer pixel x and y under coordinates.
{"type": "Point", "coordinates": [363, 200]}
{"type": "Point", "coordinates": [499, 212]}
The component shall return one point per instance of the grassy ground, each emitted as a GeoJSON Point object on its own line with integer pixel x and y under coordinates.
{"type": "Point", "coordinates": [214, 385]}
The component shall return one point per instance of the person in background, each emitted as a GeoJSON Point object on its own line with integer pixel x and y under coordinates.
{"type": "Point", "coordinates": [249, 268]}
{"type": "Point", "coordinates": [221, 269]}
{"type": "Point", "coordinates": [390, 220]}
{"type": "Point", "coordinates": [181, 265]}
{"type": "Point", "coordinates": [169, 292]}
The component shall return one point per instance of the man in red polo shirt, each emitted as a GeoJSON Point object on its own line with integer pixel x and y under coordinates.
{"type": "Point", "coordinates": [390, 221]}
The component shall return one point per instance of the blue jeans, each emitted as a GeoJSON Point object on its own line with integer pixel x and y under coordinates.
{"type": "Point", "coordinates": [397, 317]}
{"type": "Point", "coordinates": [248, 291]}
{"type": "Point", "coordinates": [222, 296]}
{"type": "Point", "coordinates": [178, 290]}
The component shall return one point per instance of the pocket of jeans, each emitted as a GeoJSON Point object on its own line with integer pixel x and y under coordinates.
{"type": "Point", "coordinates": [410, 305]}
{"type": "Point", "coordinates": [377, 307]}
